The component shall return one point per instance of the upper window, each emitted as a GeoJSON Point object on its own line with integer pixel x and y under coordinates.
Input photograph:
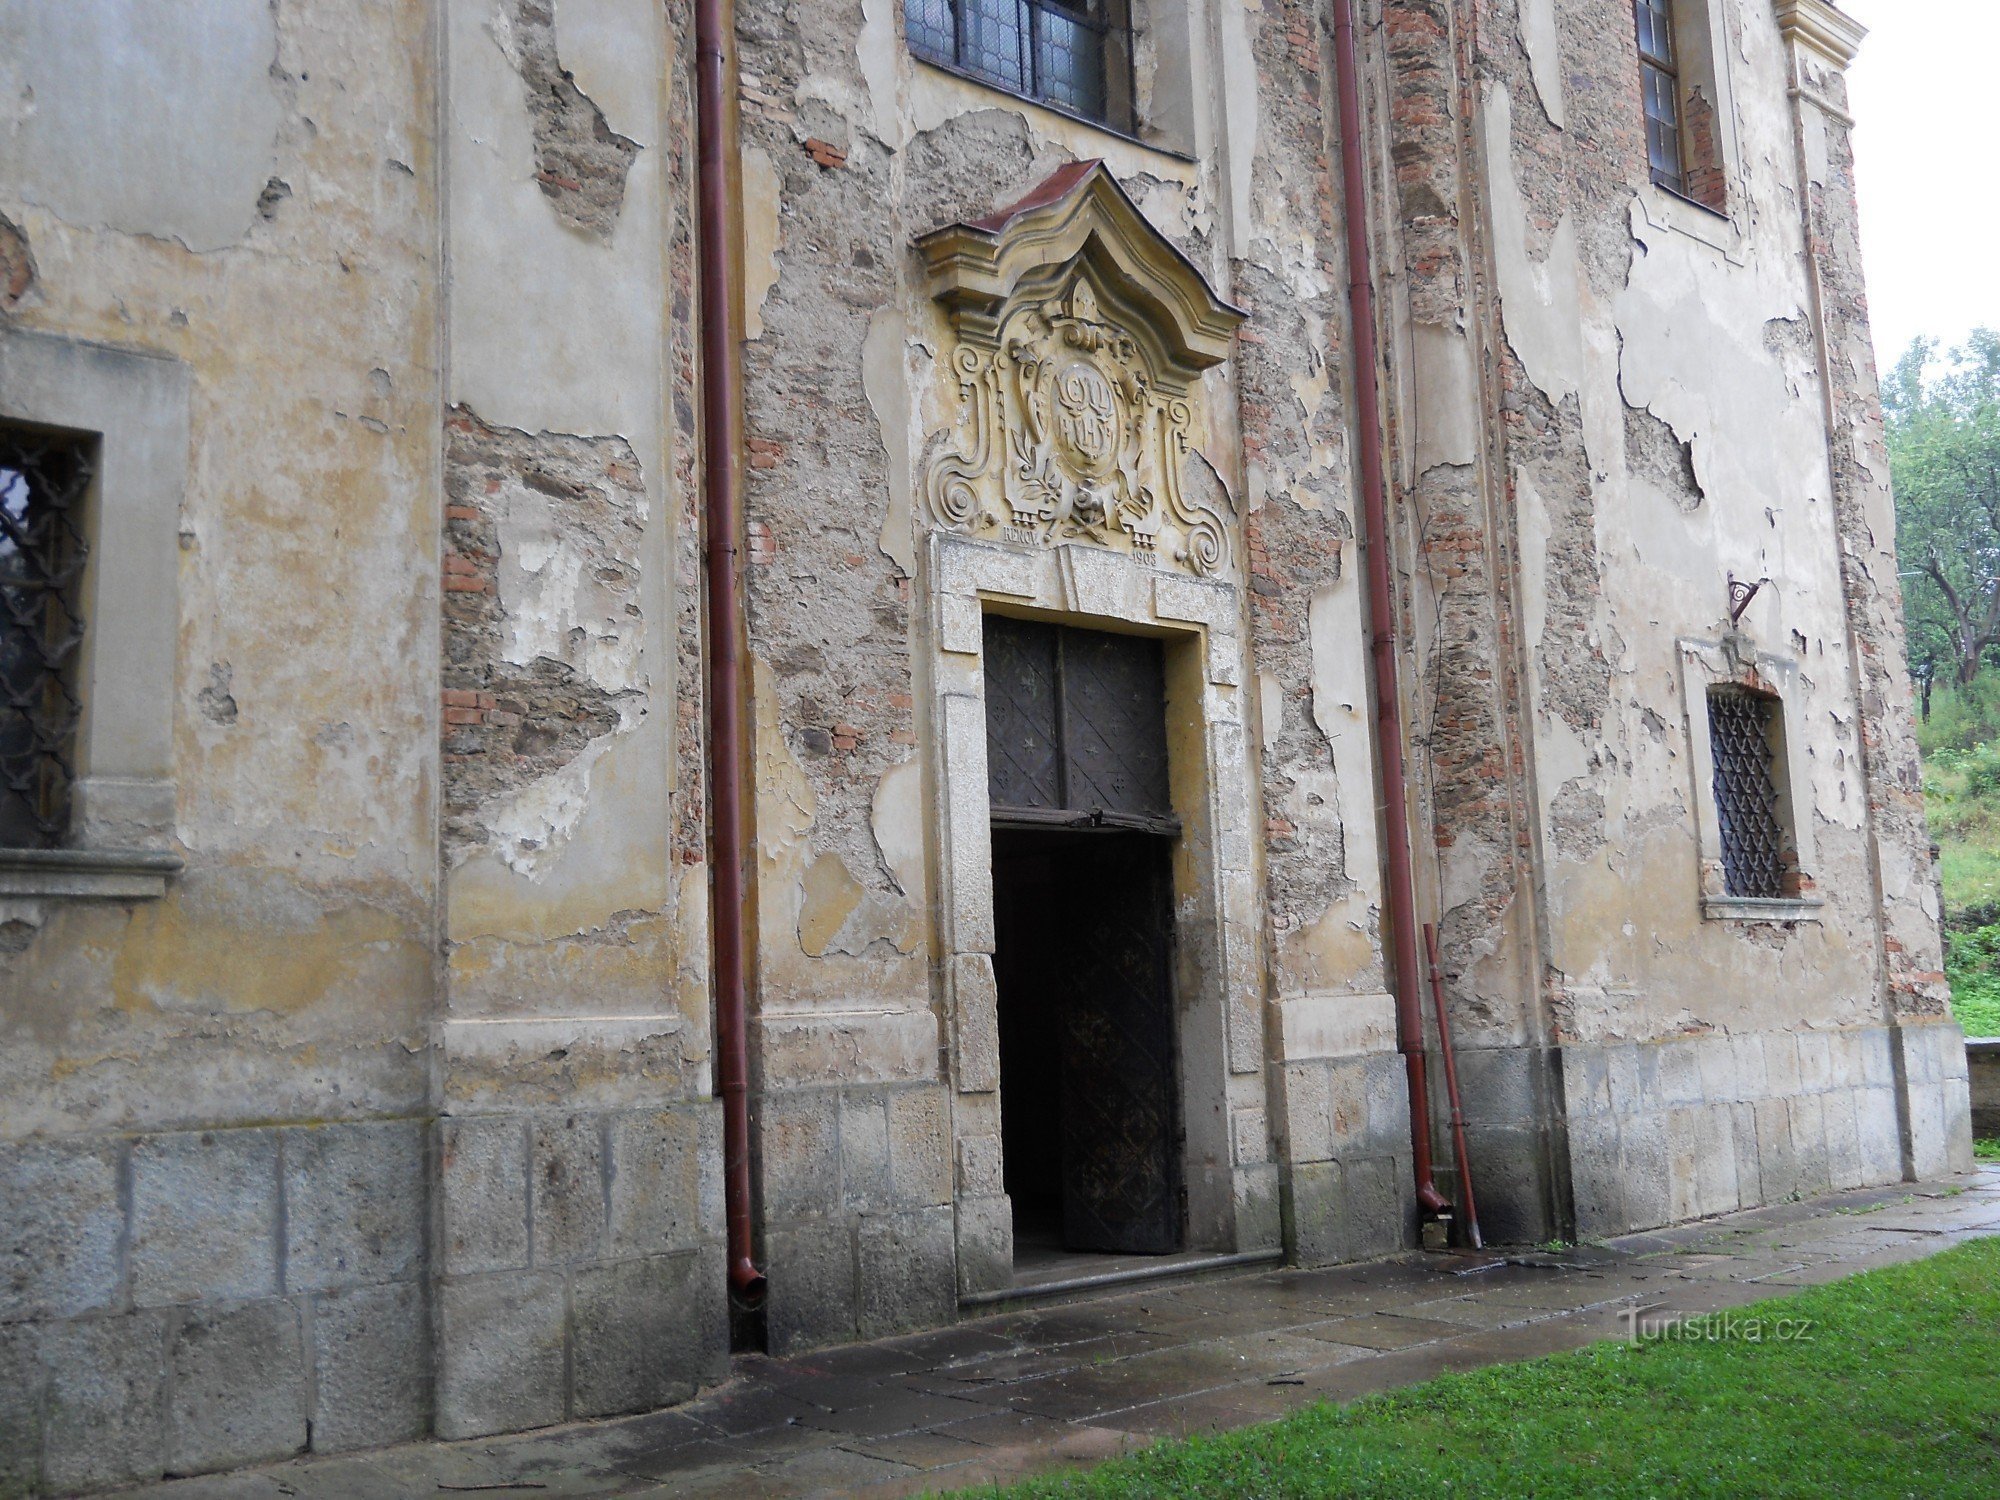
{"type": "Point", "coordinates": [43, 478]}
{"type": "Point", "coordinates": [1744, 735]}
{"type": "Point", "coordinates": [1660, 83]}
{"type": "Point", "coordinates": [1073, 55]}
{"type": "Point", "coordinates": [1678, 95]}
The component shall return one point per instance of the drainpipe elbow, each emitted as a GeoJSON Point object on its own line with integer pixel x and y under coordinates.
{"type": "Point", "coordinates": [747, 1283]}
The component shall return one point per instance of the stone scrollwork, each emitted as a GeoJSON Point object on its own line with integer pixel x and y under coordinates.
{"type": "Point", "coordinates": [953, 480]}
{"type": "Point", "coordinates": [1081, 334]}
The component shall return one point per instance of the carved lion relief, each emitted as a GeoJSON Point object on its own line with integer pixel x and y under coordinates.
{"type": "Point", "coordinates": [1077, 361]}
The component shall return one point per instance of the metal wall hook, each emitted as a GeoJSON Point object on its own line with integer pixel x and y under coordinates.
{"type": "Point", "coordinates": [1740, 595]}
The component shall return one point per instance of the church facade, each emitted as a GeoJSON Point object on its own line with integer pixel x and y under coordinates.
{"type": "Point", "coordinates": [686, 676]}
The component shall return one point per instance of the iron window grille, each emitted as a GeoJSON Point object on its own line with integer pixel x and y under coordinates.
{"type": "Point", "coordinates": [1742, 736]}
{"type": "Point", "coordinates": [1073, 55]}
{"type": "Point", "coordinates": [43, 478]}
{"type": "Point", "coordinates": [1660, 88]}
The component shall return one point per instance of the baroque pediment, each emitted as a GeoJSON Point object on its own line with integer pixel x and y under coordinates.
{"type": "Point", "coordinates": [1080, 336]}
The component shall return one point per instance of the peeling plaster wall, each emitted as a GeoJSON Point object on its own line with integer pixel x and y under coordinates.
{"type": "Point", "coordinates": [1338, 1092]}
{"type": "Point", "coordinates": [574, 1064]}
{"type": "Point", "coordinates": [414, 1052]}
{"type": "Point", "coordinates": [297, 944]}
{"type": "Point", "coordinates": [248, 191]}
{"type": "Point", "coordinates": [1466, 757]}
{"type": "Point", "coordinates": [1930, 1052]}
{"type": "Point", "coordinates": [541, 620]}
{"type": "Point", "coordinates": [581, 163]}
{"type": "Point", "coordinates": [1661, 429]}
{"type": "Point", "coordinates": [569, 537]}
{"type": "Point", "coordinates": [1865, 515]}
{"type": "Point", "coordinates": [402, 1093]}
{"type": "Point", "coordinates": [1470, 764]}
{"type": "Point", "coordinates": [112, 122]}
{"type": "Point", "coordinates": [850, 150]}
{"type": "Point", "coordinates": [1664, 432]}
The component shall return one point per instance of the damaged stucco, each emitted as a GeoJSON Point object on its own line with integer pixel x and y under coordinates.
{"type": "Point", "coordinates": [552, 329]}
{"type": "Point", "coordinates": [245, 198]}
{"type": "Point", "coordinates": [293, 954]}
{"type": "Point", "coordinates": [422, 1024]}
{"type": "Point", "coordinates": [562, 692]}
{"type": "Point", "coordinates": [542, 630]}
{"type": "Point", "coordinates": [1672, 441]}
{"type": "Point", "coordinates": [112, 122]}
{"type": "Point", "coordinates": [581, 163]}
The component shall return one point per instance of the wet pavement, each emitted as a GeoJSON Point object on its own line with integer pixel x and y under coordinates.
{"type": "Point", "coordinates": [1058, 1386]}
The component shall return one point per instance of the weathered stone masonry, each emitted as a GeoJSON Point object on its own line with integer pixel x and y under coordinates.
{"type": "Point", "coordinates": [358, 1059]}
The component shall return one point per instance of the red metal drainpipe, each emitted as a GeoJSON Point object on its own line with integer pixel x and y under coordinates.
{"type": "Point", "coordinates": [722, 495]}
{"type": "Point", "coordinates": [1471, 1205]}
{"type": "Point", "coordinates": [1401, 892]}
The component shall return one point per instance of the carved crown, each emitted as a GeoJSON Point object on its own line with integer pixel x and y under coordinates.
{"type": "Point", "coordinates": [1080, 212]}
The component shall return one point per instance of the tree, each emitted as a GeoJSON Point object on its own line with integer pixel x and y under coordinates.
{"type": "Point", "coordinates": [1944, 459]}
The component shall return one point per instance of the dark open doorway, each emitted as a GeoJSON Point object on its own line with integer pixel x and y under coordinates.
{"type": "Point", "coordinates": [1083, 832]}
{"type": "Point", "coordinates": [1089, 1128]}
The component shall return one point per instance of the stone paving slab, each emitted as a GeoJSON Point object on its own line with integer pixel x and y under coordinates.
{"type": "Point", "coordinates": [1068, 1385]}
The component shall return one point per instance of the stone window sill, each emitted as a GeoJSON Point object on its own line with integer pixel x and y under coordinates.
{"type": "Point", "coordinates": [1720, 215]}
{"type": "Point", "coordinates": [1676, 212]}
{"type": "Point", "coordinates": [115, 874]}
{"type": "Point", "coordinates": [1761, 909]}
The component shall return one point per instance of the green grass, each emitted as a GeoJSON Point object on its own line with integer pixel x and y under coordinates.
{"type": "Point", "coordinates": [1978, 1014]}
{"type": "Point", "coordinates": [1972, 964]}
{"type": "Point", "coordinates": [1986, 1150]}
{"type": "Point", "coordinates": [1962, 799]}
{"type": "Point", "coordinates": [1897, 1393]}
{"type": "Point", "coordinates": [1971, 871]}
{"type": "Point", "coordinates": [1961, 748]}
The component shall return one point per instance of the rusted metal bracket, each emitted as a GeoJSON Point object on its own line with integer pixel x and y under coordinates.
{"type": "Point", "coordinates": [1740, 595]}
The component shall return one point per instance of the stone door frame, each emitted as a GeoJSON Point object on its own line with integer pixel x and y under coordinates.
{"type": "Point", "coordinates": [1218, 989]}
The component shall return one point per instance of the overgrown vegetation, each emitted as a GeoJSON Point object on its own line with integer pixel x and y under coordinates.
{"type": "Point", "coordinates": [1943, 413]}
{"type": "Point", "coordinates": [1944, 453]}
{"type": "Point", "coordinates": [1895, 1392]}
{"type": "Point", "coordinates": [1961, 748]}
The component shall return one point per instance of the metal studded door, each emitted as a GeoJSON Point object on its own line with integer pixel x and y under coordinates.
{"type": "Point", "coordinates": [1121, 1178]}
{"type": "Point", "coordinates": [1076, 729]}
{"type": "Point", "coordinates": [1023, 747]}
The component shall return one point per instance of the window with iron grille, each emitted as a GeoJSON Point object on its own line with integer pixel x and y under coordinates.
{"type": "Point", "coordinates": [1743, 737]}
{"type": "Point", "coordinates": [1660, 88]}
{"type": "Point", "coordinates": [1074, 55]}
{"type": "Point", "coordinates": [43, 477]}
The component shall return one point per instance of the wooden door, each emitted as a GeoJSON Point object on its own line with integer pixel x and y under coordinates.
{"type": "Point", "coordinates": [1076, 728]}
{"type": "Point", "coordinates": [1077, 752]}
{"type": "Point", "coordinates": [1121, 1141]}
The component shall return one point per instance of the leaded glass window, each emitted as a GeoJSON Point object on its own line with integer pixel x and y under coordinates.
{"type": "Point", "coordinates": [43, 477]}
{"type": "Point", "coordinates": [1075, 55]}
{"type": "Point", "coordinates": [1660, 88]}
{"type": "Point", "coordinates": [1742, 737]}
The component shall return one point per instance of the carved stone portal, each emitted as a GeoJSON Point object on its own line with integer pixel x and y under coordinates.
{"type": "Point", "coordinates": [1081, 337]}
